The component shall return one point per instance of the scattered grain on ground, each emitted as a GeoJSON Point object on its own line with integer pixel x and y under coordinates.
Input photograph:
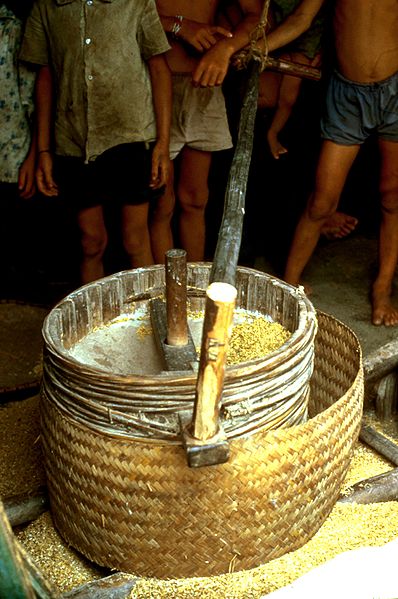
{"type": "Point", "coordinates": [59, 564]}
{"type": "Point", "coordinates": [21, 468]}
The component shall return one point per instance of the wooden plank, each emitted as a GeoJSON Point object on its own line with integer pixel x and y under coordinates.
{"type": "Point", "coordinates": [386, 391]}
{"type": "Point", "coordinates": [117, 586]}
{"type": "Point", "coordinates": [383, 487]}
{"type": "Point", "coordinates": [287, 67]}
{"type": "Point", "coordinates": [380, 443]}
{"type": "Point", "coordinates": [381, 362]}
{"type": "Point", "coordinates": [294, 69]}
{"type": "Point", "coordinates": [21, 509]}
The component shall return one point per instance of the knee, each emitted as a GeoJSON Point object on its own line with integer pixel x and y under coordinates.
{"type": "Point", "coordinates": [389, 195]}
{"type": "Point", "coordinates": [321, 209]}
{"type": "Point", "coordinates": [93, 244]}
{"type": "Point", "coordinates": [134, 241]}
{"type": "Point", "coordinates": [193, 199]}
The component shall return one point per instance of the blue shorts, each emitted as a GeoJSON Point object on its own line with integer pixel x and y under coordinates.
{"type": "Point", "coordinates": [354, 111]}
{"type": "Point", "coordinates": [120, 175]}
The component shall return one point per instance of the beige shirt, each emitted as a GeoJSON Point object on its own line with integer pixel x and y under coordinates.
{"type": "Point", "coordinates": [97, 49]}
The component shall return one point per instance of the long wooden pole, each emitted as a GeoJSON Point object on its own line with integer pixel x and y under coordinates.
{"type": "Point", "coordinates": [229, 238]}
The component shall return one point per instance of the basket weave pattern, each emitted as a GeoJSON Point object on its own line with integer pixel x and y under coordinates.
{"type": "Point", "coordinates": [137, 507]}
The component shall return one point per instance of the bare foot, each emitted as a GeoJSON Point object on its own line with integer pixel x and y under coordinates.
{"type": "Point", "coordinates": [383, 312]}
{"type": "Point", "coordinates": [275, 146]}
{"type": "Point", "coordinates": [339, 225]}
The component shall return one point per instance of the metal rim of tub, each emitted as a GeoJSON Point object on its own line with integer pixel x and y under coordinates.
{"type": "Point", "coordinates": [138, 508]}
{"type": "Point", "coordinates": [262, 393]}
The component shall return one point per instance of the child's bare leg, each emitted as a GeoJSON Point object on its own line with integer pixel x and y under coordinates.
{"type": "Point", "coordinates": [268, 89]}
{"type": "Point", "coordinates": [136, 239]}
{"type": "Point", "coordinates": [333, 166]}
{"type": "Point", "coordinates": [94, 239]}
{"type": "Point", "coordinates": [160, 222]}
{"type": "Point", "coordinates": [288, 94]}
{"type": "Point", "coordinates": [383, 310]}
{"type": "Point", "coordinates": [193, 193]}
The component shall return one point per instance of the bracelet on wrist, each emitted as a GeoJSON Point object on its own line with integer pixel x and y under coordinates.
{"type": "Point", "coordinates": [175, 30]}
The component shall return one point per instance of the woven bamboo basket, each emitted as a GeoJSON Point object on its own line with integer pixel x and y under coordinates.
{"type": "Point", "coordinates": [130, 502]}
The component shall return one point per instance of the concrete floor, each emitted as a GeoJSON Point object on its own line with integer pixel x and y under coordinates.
{"type": "Point", "coordinates": [340, 275]}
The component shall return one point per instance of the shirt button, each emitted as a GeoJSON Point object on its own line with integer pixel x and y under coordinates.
{"type": "Point", "coordinates": [90, 77]}
{"type": "Point", "coordinates": [88, 41]}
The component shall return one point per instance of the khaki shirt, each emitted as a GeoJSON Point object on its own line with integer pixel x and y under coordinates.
{"type": "Point", "coordinates": [97, 50]}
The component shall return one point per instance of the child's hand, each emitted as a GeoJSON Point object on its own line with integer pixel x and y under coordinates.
{"type": "Point", "coordinates": [160, 165]}
{"type": "Point", "coordinates": [26, 179]}
{"type": "Point", "coordinates": [44, 175]}
{"type": "Point", "coordinates": [201, 36]}
{"type": "Point", "coordinates": [212, 67]}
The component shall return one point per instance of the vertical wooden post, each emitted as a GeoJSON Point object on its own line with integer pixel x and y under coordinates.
{"type": "Point", "coordinates": [176, 297]}
{"type": "Point", "coordinates": [230, 235]}
{"type": "Point", "coordinates": [220, 304]}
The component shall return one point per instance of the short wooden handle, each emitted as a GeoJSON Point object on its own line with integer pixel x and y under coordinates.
{"type": "Point", "coordinates": [217, 327]}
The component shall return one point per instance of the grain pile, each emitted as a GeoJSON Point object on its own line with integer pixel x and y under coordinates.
{"type": "Point", "coordinates": [60, 565]}
{"type": "Point", "coordinates": [255, 338]}
{"type": "Point", "coordinates": [253, 335]}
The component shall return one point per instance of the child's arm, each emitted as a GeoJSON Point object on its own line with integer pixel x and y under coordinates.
{"type": "Point", "coordinates": [26, 175]}
{"type": "Point", "coordinates": [199, 35]}
{"type": "Point", "coordinates": [213, 67]}
{"type": "Point", "coordinates": [294, 25]}
{"type": "Point", "coordinates": [44, 101]}
{"type": "Point", "coordinates": [162, 98]}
